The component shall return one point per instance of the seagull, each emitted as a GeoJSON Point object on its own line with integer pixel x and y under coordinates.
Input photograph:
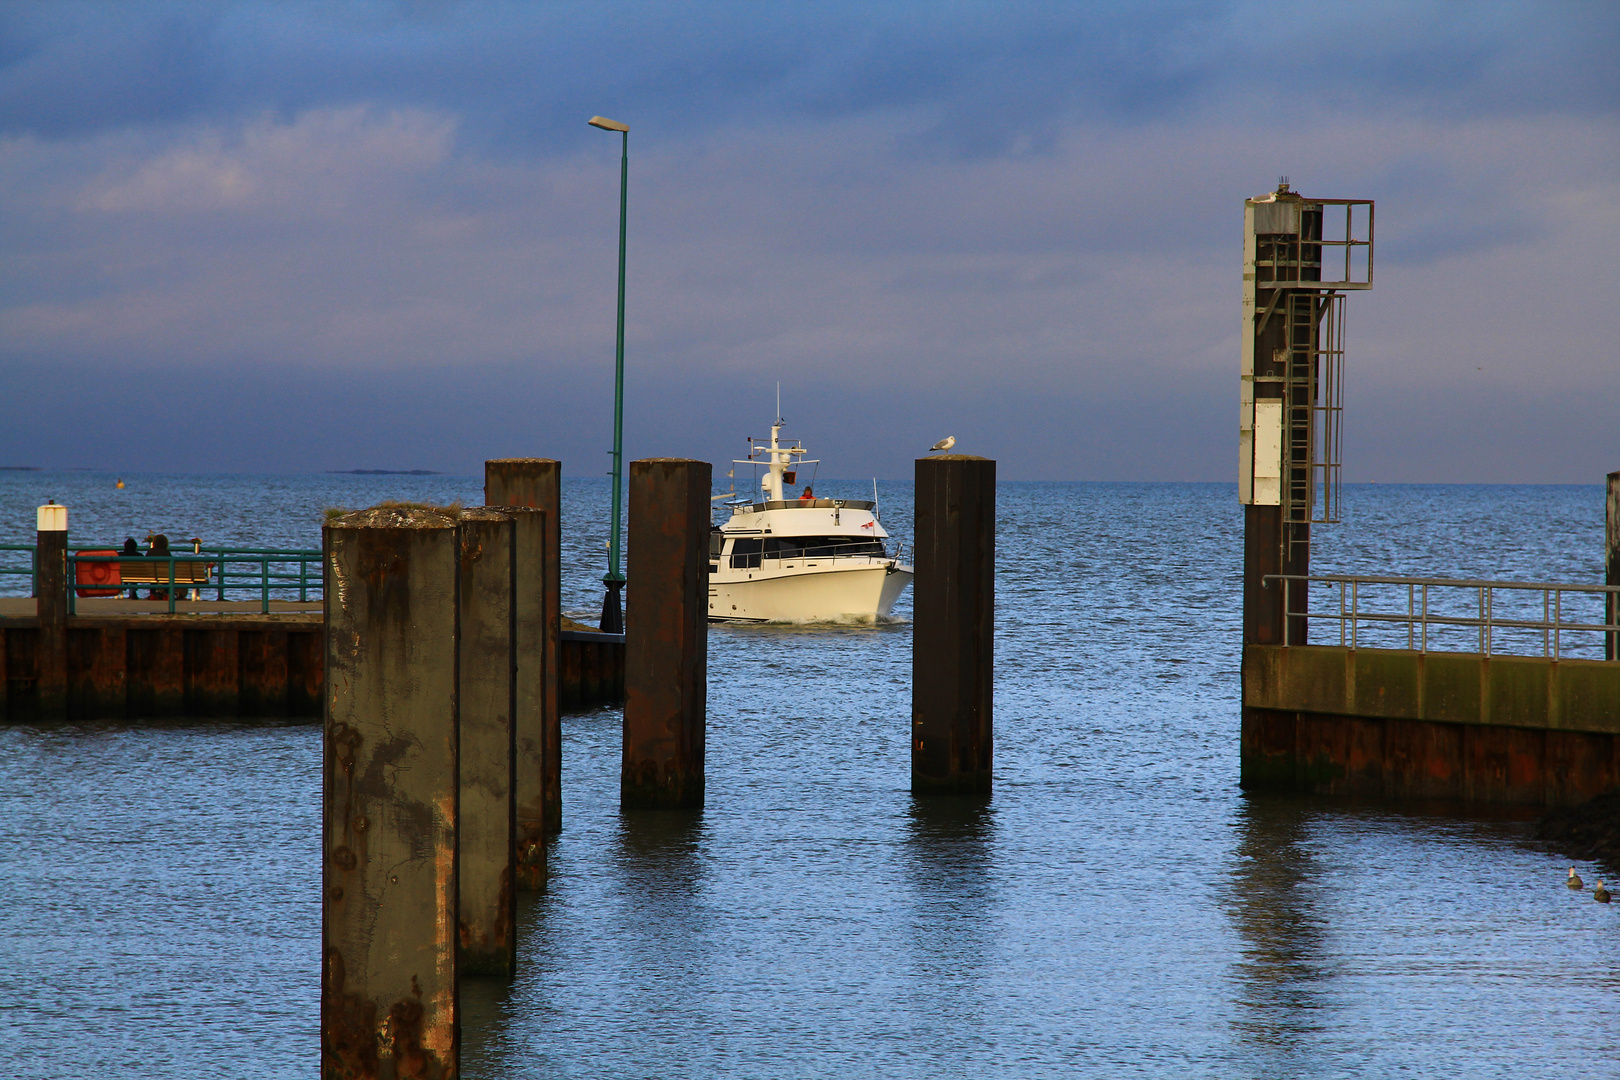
{"type": "Point", "coordinates": [1574, 881]}
{"type": "Point", "coordinates": [944, 444]}
{"type": "Point", "coordinates": [1600, 894]}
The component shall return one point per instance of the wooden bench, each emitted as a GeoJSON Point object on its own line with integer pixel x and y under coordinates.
{"type": "Point", "coordinates": [187, 572]}
{"type": "Point", "coordinates": [98, 574]}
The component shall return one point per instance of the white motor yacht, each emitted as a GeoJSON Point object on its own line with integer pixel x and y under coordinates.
{"type": "Point", "coordinates": [804, 559]}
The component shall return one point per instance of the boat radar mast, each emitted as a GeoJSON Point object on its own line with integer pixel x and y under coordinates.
{"type": "Point", "coordinates": [780, 466]}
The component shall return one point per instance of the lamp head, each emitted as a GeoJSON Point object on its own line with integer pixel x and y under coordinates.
{"type": "Point", "coordinates": [607, 125]}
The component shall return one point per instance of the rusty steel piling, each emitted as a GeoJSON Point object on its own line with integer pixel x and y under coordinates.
{"type": "Point", "coordinates": [51, 607]}
{"type": "Point", "coordinates": [485, 699]}
{"type": "Point", "coordinates": [953, 635]}
{"type": "Point", "coordinates": [666, 635]}
{"type": "Point", "coordinates": [535, 483]}
{"type": "Point", "coordinates": [531, 664]}
{"type": "Point", "coordinates": [389, 1004]}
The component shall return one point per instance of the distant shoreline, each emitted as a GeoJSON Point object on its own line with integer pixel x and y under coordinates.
{"type": "Point", "coordinates": [385, 472]}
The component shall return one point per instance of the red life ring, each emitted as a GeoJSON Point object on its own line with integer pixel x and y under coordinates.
{"type": "Point", "coordinates": [97, 573]}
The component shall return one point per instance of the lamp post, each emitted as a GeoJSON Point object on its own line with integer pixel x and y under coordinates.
{"type": "Point", "coordinates": [612, 621]}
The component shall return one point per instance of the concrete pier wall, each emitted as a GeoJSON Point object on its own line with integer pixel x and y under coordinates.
{"type": "Point", "coordinates": [1493, 729]}
{"type": "Point", "coordinates": [161, 667]}
{"type": "Point", "coordinates": [156, 665]}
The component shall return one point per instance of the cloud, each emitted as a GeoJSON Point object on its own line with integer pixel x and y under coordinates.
{"type": "Point", "coordinates": [979, 79]}
{"type": "Point", "coordinates": [1018, 223]}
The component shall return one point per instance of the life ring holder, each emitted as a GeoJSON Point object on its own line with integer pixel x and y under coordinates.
{"type": "Point", "coordinates": [102, 575]}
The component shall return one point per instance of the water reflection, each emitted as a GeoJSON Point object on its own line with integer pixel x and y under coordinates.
{"type": "Point", "coordinates": [655, 856]}
{"type": "Point", "coordinates": [1282, 974]}
{"type": "Point", "coordinates": [658, 872]}
{"type": "Point", "coordinates": [948, 844]}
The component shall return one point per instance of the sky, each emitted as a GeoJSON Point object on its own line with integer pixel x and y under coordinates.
{"type": "Point", "coordinates": [291, 237]}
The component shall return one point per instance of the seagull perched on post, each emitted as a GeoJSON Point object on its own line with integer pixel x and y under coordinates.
{"type": "Point", "coordinates": [944, 444]}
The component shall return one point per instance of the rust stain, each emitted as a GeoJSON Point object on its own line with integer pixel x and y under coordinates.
{"type": "Point", "coordinates": [440, 1037]}
{"type": "Point", "coordinates": [405, 1034]}
{"type": "Point", "coordinates": [348, 1047]}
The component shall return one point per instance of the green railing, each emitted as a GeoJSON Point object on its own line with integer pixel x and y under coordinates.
{"type": "Point", "coordinates": [30, 571]}
{"type": "Point", "coordinates": [271, 573]}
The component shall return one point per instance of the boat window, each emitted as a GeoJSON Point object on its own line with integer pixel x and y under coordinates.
{"type": "Point", "coordinates": [716, 538]}
{"type": "Point", "coordinates": [800, 547]}
{"type": "Point", "coordinates": [745, 552]}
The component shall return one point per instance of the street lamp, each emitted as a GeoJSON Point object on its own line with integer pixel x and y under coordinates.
{"type": "Point", "coordinates": [612, 621]}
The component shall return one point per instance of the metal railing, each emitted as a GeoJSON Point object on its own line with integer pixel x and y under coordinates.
{"type": "Point", "coordinates": [1500, 615]}
{"type": "Point", "coordinates": [9, 569]}
{"type": "Point", "coordinates": [264, 573]}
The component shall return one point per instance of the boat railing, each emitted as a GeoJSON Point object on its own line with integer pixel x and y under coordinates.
{"type": "Point", "coordinates": [818, 504]}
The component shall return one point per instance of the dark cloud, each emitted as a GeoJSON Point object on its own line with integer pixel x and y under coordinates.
{"type": "Point", "coordinates": [972, 79]}
{"type": "Point", "coordinates": [380, 235]}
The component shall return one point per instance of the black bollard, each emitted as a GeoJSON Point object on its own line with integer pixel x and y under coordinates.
{"type": "Point", "coordinates": [389, 1004]}
{"type": "Point", "coordinates": [485, 702]}
{"type": "Point", "coordinates": [50, 603]}
{"type": "Point", "coordinates": [666, 635]}
{"type": "Point", "coordinates": [953, 625]}
{"type": "Point", "coordinates": [537, 483]}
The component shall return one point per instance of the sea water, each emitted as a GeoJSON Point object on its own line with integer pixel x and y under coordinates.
{"type": "Point", "coordinates": [1118, 907]}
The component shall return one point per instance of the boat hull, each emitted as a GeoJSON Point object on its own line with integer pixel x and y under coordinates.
{"type": "Point", "coordinates": [801, 594]}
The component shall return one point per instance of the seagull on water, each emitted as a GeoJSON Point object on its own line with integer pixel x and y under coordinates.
{"type": "Point", "coordinates": [944, 444]}
{"type": "Point", "coordinates": [1574, 881]}
{"type": "Point", "coordinates": [1600, 894]}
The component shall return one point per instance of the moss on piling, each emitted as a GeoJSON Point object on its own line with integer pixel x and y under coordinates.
{"type": "Point", "coordinates": [451, 510]}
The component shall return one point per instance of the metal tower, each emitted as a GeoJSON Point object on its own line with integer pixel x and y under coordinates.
{"type": "Point", "coordinates": [1301, 257]}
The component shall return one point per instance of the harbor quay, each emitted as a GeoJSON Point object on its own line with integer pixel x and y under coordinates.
{"type": "Point", "coordinates": [109, 634]}
{"type": "Point", "coordinates": [1461, 689]}
{"type": "Point", "coordinates": [130, 659]}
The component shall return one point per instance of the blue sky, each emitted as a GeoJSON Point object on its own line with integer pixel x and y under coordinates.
{"type": "Point", "coordinates": [291, 237]}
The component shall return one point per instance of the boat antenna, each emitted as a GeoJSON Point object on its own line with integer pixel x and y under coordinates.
{"type": "Point", "coordinates": [876, 509]}
{"type": "Point", "coordinates": [779, 419]}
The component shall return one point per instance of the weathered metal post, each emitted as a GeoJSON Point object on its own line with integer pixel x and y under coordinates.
{"type": "Point", "coordinates": [535, 483]}
{"type": "Point", "coordinates": [1611, 564]}
{"type": "Point", "coordinates": [953, 634]}
{"type": "Point", "coordinates": [666, 635]}
{"type": "Point", "coordinates": [389, 1004]}
{"type": "Point", "coordinates": [530, 665]}
{"type": "Point", "coordinates": [485, 701]}
{"type": "Point", "coordinates": [51, 603]}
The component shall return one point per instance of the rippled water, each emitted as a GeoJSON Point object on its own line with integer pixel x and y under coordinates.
{"type": "Point", "coordinates": [1117, 908]}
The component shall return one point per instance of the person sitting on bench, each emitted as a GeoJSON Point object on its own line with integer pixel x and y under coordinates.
{"type": "Point", "coordinates": [158, 546]}
{"type": "Point", "coordinates": [132, 548]}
